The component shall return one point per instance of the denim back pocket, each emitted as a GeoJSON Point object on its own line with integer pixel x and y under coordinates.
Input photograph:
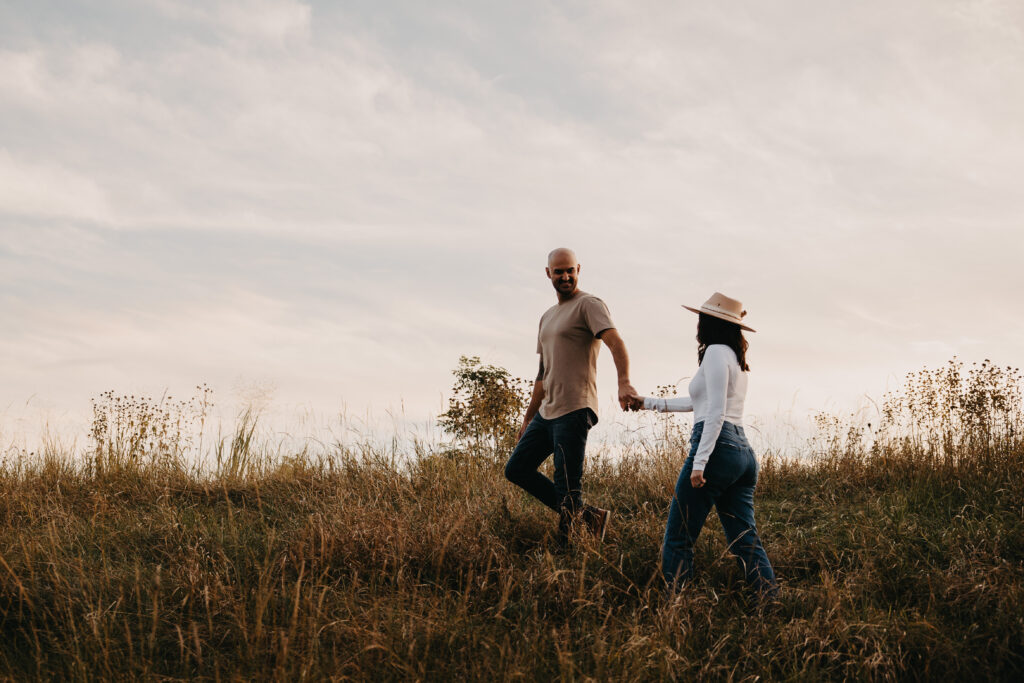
{"type": "Point", "coordinates": [727, 462]}
{"type": "Point", "coordinates": [731, 440]}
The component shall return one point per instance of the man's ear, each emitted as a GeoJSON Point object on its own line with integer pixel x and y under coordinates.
{"type": "Point", "coordinates": [579, 269]}
{"type": "Point", "coordinates": [547, 271]}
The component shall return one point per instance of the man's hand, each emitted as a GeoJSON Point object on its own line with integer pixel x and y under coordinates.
{"type": "Point", "coordinates": [534, 407]}
{"type": "Point", "coordinates": [697, 479]}
{"type": "Point", "coordinates": [635, 403]}
{"type": "Point", "coordinates": [627, 395]}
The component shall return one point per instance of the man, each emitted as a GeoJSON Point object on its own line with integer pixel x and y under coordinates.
{"type": "Point", "coordinates": [563, 407]}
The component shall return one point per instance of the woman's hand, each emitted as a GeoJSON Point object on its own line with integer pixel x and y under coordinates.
{"type": "Point", "coordinates": [697, 479]}
{"type": "Point", "coordinates": [634, 403]}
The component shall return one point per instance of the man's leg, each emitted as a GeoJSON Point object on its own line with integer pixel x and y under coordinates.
{"type": "Point", "coordinates": [532, 450]}
{"type": "Point", "coordinates": [570, 440]}
{"type": "Point", "coordinates": [569, 434]}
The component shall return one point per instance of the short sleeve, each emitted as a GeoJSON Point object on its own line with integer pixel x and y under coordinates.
{"type": "Point", "coordinates": [596, 315]}
{"type": "Point", "coordinates": [541, 324]}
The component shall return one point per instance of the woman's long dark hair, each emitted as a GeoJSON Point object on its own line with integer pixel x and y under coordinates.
{"type": "Point", "coordinates": [712, 330]}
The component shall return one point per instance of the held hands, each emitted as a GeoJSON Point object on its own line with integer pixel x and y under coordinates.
{"type": "Point", "coordinates": [627, 394]}
{"type": "Point", "coordinates": [629, 399]}
{"type": "Point", "coordinates": [697, 479]}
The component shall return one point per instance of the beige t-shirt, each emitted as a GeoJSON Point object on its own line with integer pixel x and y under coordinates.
{"type": "Point", "coordinates": [568, 346]}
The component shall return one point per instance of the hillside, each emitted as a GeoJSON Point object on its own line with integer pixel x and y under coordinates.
{"type": "Point", "coordinates": [896, 560]}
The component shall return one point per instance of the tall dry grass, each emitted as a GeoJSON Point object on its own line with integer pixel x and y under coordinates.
{"type": "Point", "coordinates": [898, 558]}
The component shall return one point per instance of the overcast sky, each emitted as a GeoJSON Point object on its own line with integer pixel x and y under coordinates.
{"type": "Point", "coordinates": [328, 203]}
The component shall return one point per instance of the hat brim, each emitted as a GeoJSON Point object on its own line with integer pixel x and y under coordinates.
{"type": "Point", "coordinates": [720, 317]}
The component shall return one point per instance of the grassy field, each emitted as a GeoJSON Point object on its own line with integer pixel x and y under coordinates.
{"type": "Point", "coordinates": [898, 558]}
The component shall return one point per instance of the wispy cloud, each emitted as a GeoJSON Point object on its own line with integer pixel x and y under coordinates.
{"type": "Point", "coordinates": [341, 199]}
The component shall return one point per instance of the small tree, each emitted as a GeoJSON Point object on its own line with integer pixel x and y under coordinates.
{"type": "Point", "coordinates": [487, 407]}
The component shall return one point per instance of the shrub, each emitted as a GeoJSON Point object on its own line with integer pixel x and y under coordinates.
{"type": "Point", "coordinates": [487, 407]}
{"type": "Point", "coordinates": [954, 414]}
{"type": "Point", "coordinates": [127, 431]}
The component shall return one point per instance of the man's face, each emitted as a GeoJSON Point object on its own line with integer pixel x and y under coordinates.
{"type": "Point", "coordinates": [564, 273]}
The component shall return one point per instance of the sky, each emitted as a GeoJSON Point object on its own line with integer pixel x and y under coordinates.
{"type": "Point", "coordinates": [322, 205]}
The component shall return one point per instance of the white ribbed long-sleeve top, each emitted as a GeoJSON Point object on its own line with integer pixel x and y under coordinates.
{"type": "Point", "coordinates": [717, 392]}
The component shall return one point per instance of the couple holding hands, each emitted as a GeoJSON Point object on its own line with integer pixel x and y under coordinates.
{"type": "Point", "coordinates": [721, 470]}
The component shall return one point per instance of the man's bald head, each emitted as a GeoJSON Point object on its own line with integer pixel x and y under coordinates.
{"type": "Point", "coordinates": [564, 271]}
{"type": "Point", "coordinates": [562, 254]}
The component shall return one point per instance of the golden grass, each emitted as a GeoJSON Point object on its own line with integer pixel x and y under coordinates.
{"type": "Point", "coordinates": [895, 562]}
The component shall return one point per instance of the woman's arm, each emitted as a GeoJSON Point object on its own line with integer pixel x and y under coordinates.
{"type": "Point", "coordinates": [678, 404]}
{"type": "Point", "coordinates": [716, 378]}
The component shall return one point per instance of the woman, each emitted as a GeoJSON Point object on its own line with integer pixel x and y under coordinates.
{"type": "Point", "coordinates": [721, 470]}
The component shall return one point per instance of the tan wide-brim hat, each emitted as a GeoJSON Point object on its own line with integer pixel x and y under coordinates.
{"type": "Point", "coordinates": [721, 306]}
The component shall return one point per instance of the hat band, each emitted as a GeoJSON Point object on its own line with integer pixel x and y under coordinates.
{"type": "Point", "coordinates": [719, 311]}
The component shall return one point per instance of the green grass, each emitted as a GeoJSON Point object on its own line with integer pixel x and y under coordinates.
{"type": "Point", "coordinates": [892, 565]}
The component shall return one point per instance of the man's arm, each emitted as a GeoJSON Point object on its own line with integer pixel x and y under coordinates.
{"type": "Point", "coordinates": [612, 339]}
{"type": "Point", "coordinates": [535, 399]}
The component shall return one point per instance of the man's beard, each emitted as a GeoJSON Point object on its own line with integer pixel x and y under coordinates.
{"type": "Point", "coordinates": [566, 287]}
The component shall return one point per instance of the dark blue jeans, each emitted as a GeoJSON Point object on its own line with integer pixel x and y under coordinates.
{"type": "Point", "coordinates": [730, 477]}
{"type": "Point", "coordinates": [566, 437]}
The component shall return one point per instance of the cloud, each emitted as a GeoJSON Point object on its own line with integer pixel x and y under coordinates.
{"type": "Point", "coordinates": [341, 199]}
{"type": "Point", "coordinates": [42, 189]}
{"type": "Point", "coordinates": [271, 19]}
{"type": "Point", "coordinates": [261, 20]}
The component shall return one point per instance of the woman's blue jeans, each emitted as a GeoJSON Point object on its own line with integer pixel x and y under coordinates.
{"type": "Point", "coordinates": [730, 477]}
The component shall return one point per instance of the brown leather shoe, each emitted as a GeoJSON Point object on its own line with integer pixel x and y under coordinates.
{"type": "Point", "coordinates": [597, 520]}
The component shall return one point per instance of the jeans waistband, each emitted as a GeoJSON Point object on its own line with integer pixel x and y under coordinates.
{"type": "Point", "coordinates": [727, 428]}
